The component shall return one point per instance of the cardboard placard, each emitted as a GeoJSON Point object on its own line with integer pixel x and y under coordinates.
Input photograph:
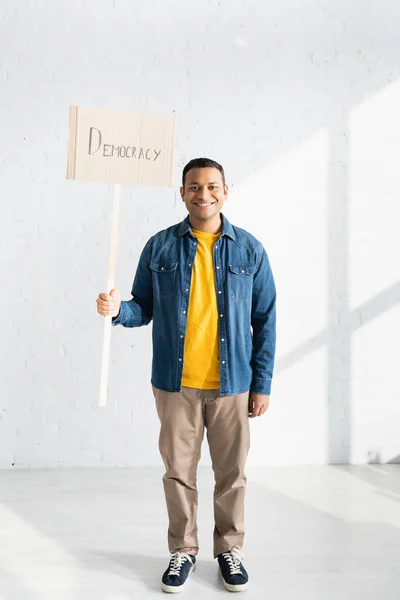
{"type": "Point", "coordinates": [121, 146]}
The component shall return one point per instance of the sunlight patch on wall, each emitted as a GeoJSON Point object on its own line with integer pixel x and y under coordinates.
{"type": "Point", "coordinates": [374, 193]}
{"type": "Point", "coordinates": [374, 274]}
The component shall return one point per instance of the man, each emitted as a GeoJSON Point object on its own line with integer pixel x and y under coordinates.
{"type": "Point", "coordinates": [209, 288]}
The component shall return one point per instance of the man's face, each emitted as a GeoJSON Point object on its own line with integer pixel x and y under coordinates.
{"type": "Point", "coordinates": [204, 193]}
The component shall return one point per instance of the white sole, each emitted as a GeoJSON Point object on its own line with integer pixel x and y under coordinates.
{"type": "Point", "coordinates": [172, 589]}
{"type": "Point", "coordinates": [235, 588]}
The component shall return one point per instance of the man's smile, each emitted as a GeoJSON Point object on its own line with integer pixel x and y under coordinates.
{"type": "Point", "coordinates": [203, 204]}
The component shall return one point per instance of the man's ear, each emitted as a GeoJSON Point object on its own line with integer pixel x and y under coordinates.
{"type": "Point", "coordinates": [226, 190]}
{"type": "Point", "coordinates": [181, 191]}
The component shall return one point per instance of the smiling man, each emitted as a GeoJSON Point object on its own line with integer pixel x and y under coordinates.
{"type": "Point", "coordinates": [209, 288]}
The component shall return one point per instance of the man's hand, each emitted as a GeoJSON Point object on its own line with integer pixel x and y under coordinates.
{"type": "Point", "coordinates": [109, 304]}
{"type": "Point", "coordinates": [258, 404]}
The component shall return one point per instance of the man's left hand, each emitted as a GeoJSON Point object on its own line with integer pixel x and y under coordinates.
{"type": "Point", "coordinates": [258, 404]}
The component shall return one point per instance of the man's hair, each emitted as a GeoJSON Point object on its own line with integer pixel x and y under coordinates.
{"type": "Point", "coordinates": [202, 163]}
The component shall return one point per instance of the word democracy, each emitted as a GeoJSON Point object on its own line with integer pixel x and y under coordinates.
{"type": "Point", "coordinates": [109, 150]}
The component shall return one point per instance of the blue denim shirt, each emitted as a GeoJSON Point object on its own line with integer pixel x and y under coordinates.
{"type": "Point", "coordinates": [245, 291]}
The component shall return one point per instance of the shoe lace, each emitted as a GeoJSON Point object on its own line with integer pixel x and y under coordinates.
{"type": "Point", "coordinates": [177, 560]}
{"type": "Point", "coordinates": [234, 558]}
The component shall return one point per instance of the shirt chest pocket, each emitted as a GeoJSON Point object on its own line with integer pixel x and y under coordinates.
{"type": "Point", "coordinates": [164, 275]}
{"type": "Point", "coordinates": [240, 281]}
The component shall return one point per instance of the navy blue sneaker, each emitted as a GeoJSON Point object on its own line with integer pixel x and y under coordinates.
{"type": "Point", "coordinates": [234, 575]}
{"type": "Point", "coordinates": [179, 569]}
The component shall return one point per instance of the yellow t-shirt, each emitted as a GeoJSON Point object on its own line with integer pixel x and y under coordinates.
{"type": "Point", "coordinates": [201, 354]}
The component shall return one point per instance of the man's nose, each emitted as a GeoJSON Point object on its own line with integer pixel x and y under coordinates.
{"type": "Point", "coordinates": [203, 193]}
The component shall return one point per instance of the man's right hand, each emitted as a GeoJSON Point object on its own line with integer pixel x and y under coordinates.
{"type": "Point", "coordinates": [108, 305]}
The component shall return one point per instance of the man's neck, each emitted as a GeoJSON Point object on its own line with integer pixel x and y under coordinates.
{"type": "Point", "coordinates": [211, 226]}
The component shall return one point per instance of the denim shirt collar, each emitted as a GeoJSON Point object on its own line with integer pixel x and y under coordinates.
{"type": "Point", "coordinates": [227, 229]}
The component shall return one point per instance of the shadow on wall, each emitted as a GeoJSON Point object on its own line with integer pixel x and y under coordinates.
{"type": "Point", "coordinates": [375, 459]}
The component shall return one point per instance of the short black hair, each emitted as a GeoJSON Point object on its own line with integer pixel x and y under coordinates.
{"type": "Point", "coordinates": [202, 163]}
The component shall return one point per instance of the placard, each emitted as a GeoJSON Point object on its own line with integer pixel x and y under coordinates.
{"type": "Point", "coordinates": [121, 146]}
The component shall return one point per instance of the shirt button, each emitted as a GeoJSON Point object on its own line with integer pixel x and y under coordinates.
{"type": "Point", "coordinates": [221, 315]}
{"type": "Point", "coordinates": [215, 247]}
{"type": "Point", "coordinates": [187, 289]}
{"type": "Point", "coordinates": [184, 312]}
{"type": "Point", "coordinates": [180, 360]}
{"type": "Point", "coordinates": [223, 362]}
{"type": "Point", "coordinates": [190, 264]}
{"type": "Point", "coordinates": [181, 336]}
{"type": "Point", "coordinates": [217, 267]}
{"type": "Point", "coordinates": [222, 339]}
{"type": "Point", "coordinates": [219, 292]}
{"type": "Point", "coordinates": [162, 268]}
{"type": "Point", "coordinates": [242, 271]}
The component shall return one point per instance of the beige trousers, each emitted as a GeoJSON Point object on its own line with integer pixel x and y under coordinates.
{"type": "Point", "coordinates": [183, 417]}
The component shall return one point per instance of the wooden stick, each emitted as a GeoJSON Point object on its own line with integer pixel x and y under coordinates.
{"type": "Point", "coordinates": [105, 366]}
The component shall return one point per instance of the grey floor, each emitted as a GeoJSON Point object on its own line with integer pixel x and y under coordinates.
{"type": "Point", "coordinates": [312, 533]}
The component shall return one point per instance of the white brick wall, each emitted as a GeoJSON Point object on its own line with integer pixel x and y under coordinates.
{"type": "Point", "coordinates": [299, 101]}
